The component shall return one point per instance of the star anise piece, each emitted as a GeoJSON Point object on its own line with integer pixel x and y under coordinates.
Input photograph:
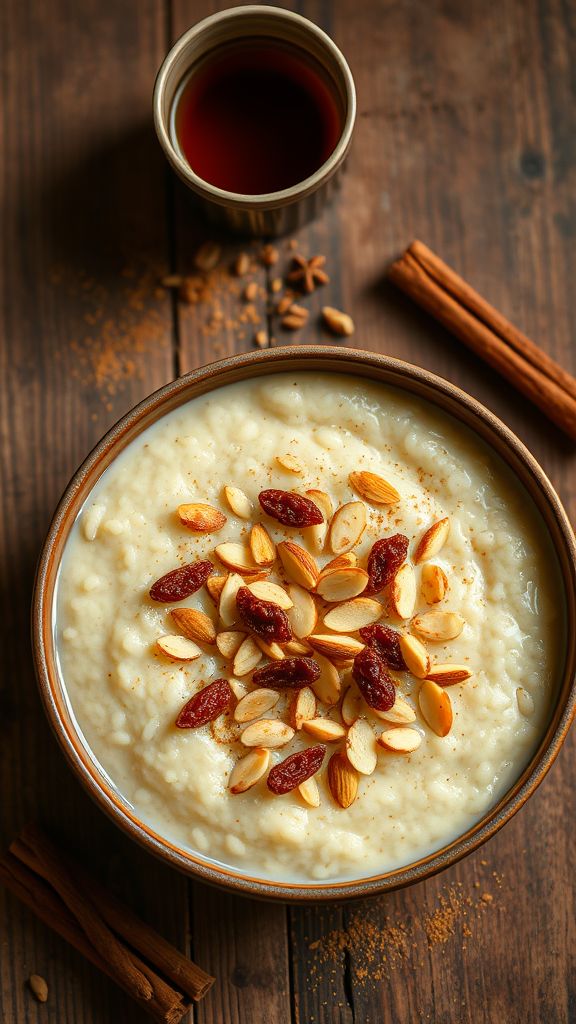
{"type": "Point", "coordinates": [308, 273]}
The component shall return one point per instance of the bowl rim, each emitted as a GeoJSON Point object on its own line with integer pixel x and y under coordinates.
{"type": "Point", "coordinates": [352, 362]}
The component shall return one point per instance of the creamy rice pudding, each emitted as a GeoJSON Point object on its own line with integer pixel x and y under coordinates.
{"type": "Point", "coordinates": [400, 691]}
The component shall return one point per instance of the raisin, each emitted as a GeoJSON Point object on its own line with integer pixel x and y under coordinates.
{"type": "Point", "coordinates": [386, 641]}
{"type": "Point", "coordinates": [375, 684]}
{"type": "Point", "coordinates": [182, 582]}
{"type": "Point", "coordinates": [384, 560]}
{"type": "Point", "coordinates": [264, 618]}
{"type": "Point", "coordinates": [206, 705]}
{"type": "Point", "coordinates": [295, 769]}
{"type": "Point", "coordinates": [290, 509]}
{"type": "Point", "coordinates": [290, 673]}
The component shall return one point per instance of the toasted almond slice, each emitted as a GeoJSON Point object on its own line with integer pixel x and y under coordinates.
{"type": "Point", "coordinates": [214, 586]}
{"type": "Point", "coordinates": [309, 792]}
{"type": "Point", "coordinates": [351, 708]}
{"type": "Point", "coordinates": [249, 770]}
{"type": "Point", "coordinates": [290, 463]}
{"type": "Point", "coordinates": [267, 732]}
{"type": "Point", "coordinates": [298, 565]}
{"type": "Point", "coordinates": [342, 779]}
{"type": "Point", "coordinates": [401, 741]}
{"type": "Point", "coordinates": [345, 561]}
{"type": "Point", "coordinates": [271, 592]}
{"type": "Point", "coordinates": [273, 650]}
{"type": "Point", "coordinates": [401, 712]}
{"type": "Point", "coordinates": [403, 592]}
{"type": "Point", "coordinates": [525, 702]}
{"type": "Point", "coordinates": [361, 747]}
{"type": "Point", "coordinates": [238, 688]}
{"type": "Point", "coordinates": [347, 526]}
{"type": "Point", "coordinates": [247, 657]}
{"type": "Point", "coordinates": [262, 546]}
{"type": "Point", "coordinates": [353, 615]}
{"type": "Point", "coordinates": [433, 583]}
{"type": "Point", "coordinates": [302, 707]}
{"type": "Point", "coordinates": [255, 704]}
{"type": "Point", "coordinates": [178, 648]}
{"type": "Point", "coordinates": [436, 707]}
{"type": "Point", "coordinates": [374, 488]}
{"type": "Point", "coordinates": [317, 534]}
{"type": "Point", "coordinates": [228, 642]}
{"type": "Point", "coordinates": [194, 624]}
{"type": "Point", "coordinates": [415, 655]}
{"type": "Point", "coordinates": [236, 557]}
{"type": "Point", "coordinates": [323, 501]}
{"type": "Point", "coordinates": [201, 518]}
{"type": "Point", "coordinates": [327, 686]}
{"type": "Point", "coordinates": [342, 584]}
{"type": "Point", "coordinates": [432, 541]}
{"type": "Point", "coordinates": [448, 675]}
{"type": "Point", "coordinates": [324, 729]}
{"type": "Point", "coordinates": [302, 615]}
{"type": "Point", "coordinates": [239, 502]}
{"type": "Point", "coordinates": [338, 646]}
{"type": "Point", "coordinates": [227, 605]}
{"type": "Point", "coordinates": [225, 730]}
{"type": "Point", "coordinates": [437, 625]}
{"type": "Point", "coordinates": [296, 647]}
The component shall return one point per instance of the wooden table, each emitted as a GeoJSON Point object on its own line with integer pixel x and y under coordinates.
{"type": "Point", "coordinates": [465, 138]}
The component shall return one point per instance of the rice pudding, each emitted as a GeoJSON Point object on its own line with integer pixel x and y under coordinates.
{"type": "Point", "coordinates": [318, 701]}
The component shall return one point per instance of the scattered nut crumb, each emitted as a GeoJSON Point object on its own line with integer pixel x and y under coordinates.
{"type": "Point", "coordinates": [261, 339]}
{"type": "Point", "coordinates": [38, 987]}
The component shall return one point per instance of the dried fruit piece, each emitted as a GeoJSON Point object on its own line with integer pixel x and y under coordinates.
{"type": "Point", "coordinates": [273, 650]}
{"type": "Point", "coordinates": [340, 647]}
{"type": "Point", "coordinates": [374, 488]}
{"type": "Point", "coordinates": [403, 592]}
{"type": "Point", "coordinates": [249, 770]}
{"type": "Point", "coordinates": [229, 641]}
{"type": "Point", "coordinates": [342, 779]}
{"type": "Point", "coordinates": [438, 626]}
{"type": "Point", "coordinates": [267, 732]}
{"type": "Point", "coordinates": [302, 708]}
{"type": "Point", "coordinates": [298, 564]}
{"type": "Point", "coordinates": [401, 712]}
{"type": "Point", "coordinates": [178, 648]}
{"type": "Point", "coordinates": [265, 619]}
{"type": "Point", "coordinates": [353, 615]}
{"type": "Point", "coordinates": [401, 741]}
{"type": "Point", "coordinates": [436, 707]}
{"type": "Point", "coordinates": [303, 615]}
{"type": "Point", "coordinates": [247, 657]}
{"type": "Point", "coordinates": [194, 624]}
{"type": "Point", "coordinates": [324, 729]}
{"type": "Point", "coordinates": [525, 702]}
{"type": "Point", "coordinates": [214, 586]}
{"type": "Point", "coordinates": [347, 526]}
{"type": "Point", "coordinates": [290, 463]}
{"type": "Point", "coordinates": [262, 546]}
{"type": "Point", "coordinates": [206, 705]}
{"type": "Point", "coordinates": [361, 747]}
{"type": "Point", "coordinates": [415, 656]}
{"type": "Point", "coordinates": [288, 674]}
{"type": "Point", "coordinates": [338, 322]}
{"type": "Point", "coordinates": [433, 583]}
{"type": "Point", "coordinates": [433, 540]}
{"type": "Point", "coordinates": [373, 680]}
{"type": "Point", "coordinates": [387, 642]}
{"type": "Point", "coordinates": [267, 591]}
{"type": "Point", "coordinates": [342, 584]}
{"type": "Point", "coordinates": [351, 706]}
{"type": "Point", "coordinates": [309, 792]}
{"type": "Point", "coordinates": [239, 502]}
{"type": "Point", "coordinates": [295, 769]}
{"type": "Point", "coordinates": [290, 509]}
{"type": "Point", "coordinates": [384, 561]}
{"type": "Point", "coordinates": [201, 518]}
{"type": "Point", "coordinates": [255, 704]}
{"type": "Point", "coordinates": [182, 582]}
{"type": "Point", "coordinates": [38, 987]}
{"type": "Point", "coordinates": [448, 675]}
{"type": "Point", "coordinates": [227, 606]}
{"type": "Point", "coordinates": [236, 557]}
{"type": "Point", "coordinates": [327, 687]}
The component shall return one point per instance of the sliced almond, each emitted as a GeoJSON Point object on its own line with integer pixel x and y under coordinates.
{"type": "Point", "coordinates": [327, 687]}
{"type": "Point", "coordinates": [317, 534]}
{"type": "Point", "coordinates": [433, 583]}
{"type": "Point", "coordinates": [262, 546]}
{"type": "Point", "coordinates": [415, 655]}
{"type": "Point", "coordinates": [239, 502]}
{"type": "Point", "coordinates": [309, 792]}
{"type": "Point", "coordinates": [432, 541]}
{"type": "Point", "coordinates": [298, 565]}
{"type": "Point", "coordinates": [353, 615]}
{"type": "Point", "coordinates": [323, 501]}
{"type": "Point", "coordinates": [438, 626]}
{"type": "Point", "coordinates": [345, 561]}
{"type": "Point", "coordinates": [401, 741]}
{"type": "Point", "coordinates": [247, 657]}
{"type": "Point", "coordinates": [201, 518]}
{"type": "Point", "coordinates": [302, 615]}
{"type": "Point", "coordinates": [352, 704]}
{"type": "Point", "coordinates": [238, 688]}
{"type": "Point", "coordinates": [342, 779]}
{"type": "Point", "coordinates": [448, 675]}
{"type": "Point", "coordinates": [255, 704]}
{"type": "Point", "coordinates": [403, 592]}
{"type": "Point", "coordinates": [347, 526]}
{"type": "Point", "coordinates": [342, 584]}
{"type": "Point", "coordinates": [236, 557]}
{"type": "Point", "coordinates": [525, 702]}
{"type": "Point", "coordinates": [214, 586]}
{"type": "Point", "coordinates": [296, 647]}
{"type": "Point", "coordinates": [361, 747]}
{"type": "Point", "coordinates": [228, 642]}
{"type": "Point", "coordinates": [290, 463]}
{"type": "Point", "coordinates": [249, 770]}
{"type": "Point", "coordinates": [401, 712]}
{"type": "Point", "coordinates": [374, 488]}
{"type": "Point", "coordinates": [272, 593]}
{"type": "Point", "coordinates": [225, 730]}
{"type": "Point", "coordinates": [436, 707]}
{"type": "Point", "coordinates": [194, 624]}
{"type": "Point", "coordinates": [340, 647]}
{"type": "Point", "coordinates": [302, 707]}
{"type": "Point", "coordinates": [227, 605]}
{"type": "Point", "coordinates": [337, 321]}
{"type": "Point", "coordinates": [273, 650]}
{"type": "Point", "coordinates": [267, 732]}
{"type": "Point", "coordinates": [324, 729]}
{"type": "Point", "coordinates": [178, 648]}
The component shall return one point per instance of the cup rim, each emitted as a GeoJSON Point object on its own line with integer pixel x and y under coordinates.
{"type": "Point", "coordinates": [394, 372]}
{"type": "Point", "coordinates": [264, 200]}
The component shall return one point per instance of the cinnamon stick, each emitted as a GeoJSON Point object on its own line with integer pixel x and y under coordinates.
{"type": "Point", "coordinates": [437, 288]}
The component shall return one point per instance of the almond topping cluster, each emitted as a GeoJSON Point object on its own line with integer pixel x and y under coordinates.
{"type": "Point", "coordinates": [313, 652]}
